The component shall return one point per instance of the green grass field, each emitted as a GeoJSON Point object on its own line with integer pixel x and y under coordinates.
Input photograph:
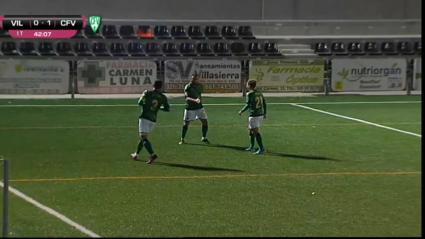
{"type": "Point", "coordinates": [322, 176]}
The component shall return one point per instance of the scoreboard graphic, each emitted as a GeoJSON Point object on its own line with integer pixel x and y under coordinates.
{"type": "Point", "coordinates": [43, 26]}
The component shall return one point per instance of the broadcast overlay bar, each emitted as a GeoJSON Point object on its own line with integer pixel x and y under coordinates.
{"type": "Point", "coordinates": [42, 22]}
{"type": "Point", "coordinates": [42, 26]}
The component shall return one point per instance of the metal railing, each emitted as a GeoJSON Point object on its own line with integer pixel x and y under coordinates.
{"type": "Point", "coordinates": [5, 185]}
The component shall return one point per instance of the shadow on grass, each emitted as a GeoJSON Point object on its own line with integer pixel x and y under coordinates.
{"type": "Point", "coordinates": [202, 168]}
{"type": "Point", "coordinates": [194, 167]}
{"type": "Point", "coordinates": [268, 152]}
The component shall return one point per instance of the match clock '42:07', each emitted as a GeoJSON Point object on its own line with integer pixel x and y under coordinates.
{"type": "Point", "coordinates": [43, 34]}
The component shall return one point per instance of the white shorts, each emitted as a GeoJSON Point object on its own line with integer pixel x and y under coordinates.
{"type": "Point", "coordinates": [255, 122]}
{"type": "Point", "coordinates": [145, 126]}
{"type": "Point", "coordinates": [191, 115]}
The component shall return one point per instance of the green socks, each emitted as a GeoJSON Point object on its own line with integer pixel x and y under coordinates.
{"type": "Point", "coordinates": [148, 146]}
{"type": "Point", "coordinates": [139, 146]}
{"type": "Point", "coordinates": [252, 138]}
{"type": "Point", "coordinates": [259, 141]}
{"type": "Point", "coordinates": [204, 131]}
{"type": "Point", "coordinates": [144, 143]}
{"type": "Point", "coordinates": [184, 131]}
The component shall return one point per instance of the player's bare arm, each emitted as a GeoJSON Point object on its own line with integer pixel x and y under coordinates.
{"type": "Point", "coordinates": [165, 106]}
{"type": "Point", "coordinates": [194, 100]}
{"type": "Point", "coordinates": [194, 83]}
{"type": "Point", "coordinates": [142, 99]}
{"type": "Point", "coordinates": [243, 110]}
{"type": "Point", "coordinates": [246, 106]}
{"type": "Point", "coordinates": [190, 98]}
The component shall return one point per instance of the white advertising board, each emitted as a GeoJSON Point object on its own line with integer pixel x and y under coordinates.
{"type": "Point", "coordinates": [115, 76]}
{"type": "Point", "coordinates": [368, 74]}
{"type": "Point", "coordinates": [216, 76]}
{"type": "Point", "coordinates": [34, 76]}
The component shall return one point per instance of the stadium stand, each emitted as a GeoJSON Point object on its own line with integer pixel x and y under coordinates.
{"type": "Point", "coordinates": [224, 39]}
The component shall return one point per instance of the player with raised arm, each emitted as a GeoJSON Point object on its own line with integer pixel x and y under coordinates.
{"type": "Point", "coordinates": [151, 101]}
{"type": "Point", "coordinates": [194, 108]}
{"type": "Point", "coordinates": [257, 112]}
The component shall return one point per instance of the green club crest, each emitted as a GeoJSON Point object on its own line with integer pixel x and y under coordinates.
{"type": "Point", "coordinates": [94, 22]}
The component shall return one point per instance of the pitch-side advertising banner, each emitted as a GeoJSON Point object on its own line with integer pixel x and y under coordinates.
{"type": "Point", "coordinates": [217, 76]}
{"type": "Point", "coordinates": [34, 77]}
{"type": "Point", "coordinates": [368, 74]}
{"type": "Point", "coordinates": [115, 76]}
{"type": "Point", "coordinates": [288, 75]}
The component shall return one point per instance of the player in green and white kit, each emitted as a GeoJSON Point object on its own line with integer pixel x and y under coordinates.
{"type": "Point", "coordinates": [194, 109]}
{"type": "Point", "coordinates": [257, 112]}
{"type": "Point", "coordinates": [151, 101]}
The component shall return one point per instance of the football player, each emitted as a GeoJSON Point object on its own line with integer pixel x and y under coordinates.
{"type": "Point", "coordinates": [193, 108]}
{"type": "Point", "coordinates": [257, 112]}
{"type": "Point", "coordinates": [151, 102]}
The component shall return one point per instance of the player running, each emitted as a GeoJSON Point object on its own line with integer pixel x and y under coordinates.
{"type": "Point", "coordinates": [257, 112]}
{"type": "Point", "coordinates": [151, 101]}
{"type": "Point", "coordinates": [193, 108]}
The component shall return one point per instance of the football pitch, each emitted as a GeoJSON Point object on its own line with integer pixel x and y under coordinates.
{"type": "Point", "coordinates": [335, 166]}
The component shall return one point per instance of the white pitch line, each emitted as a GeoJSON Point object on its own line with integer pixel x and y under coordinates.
{"type": "Point", "coordinates": [225, 104]}
{"type": "Point", "coordinates": [357, 120]}
{"type": "Point", "coordinates": [358, 102]}
{"type": "Point", "coordinates": [52, 212]}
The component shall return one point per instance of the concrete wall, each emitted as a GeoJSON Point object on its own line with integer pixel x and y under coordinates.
{"type": "Point", "coordinates": [220, 9]}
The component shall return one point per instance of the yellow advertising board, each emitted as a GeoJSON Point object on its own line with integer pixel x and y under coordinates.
{"type": "Point", "coordinates": [288, 75]}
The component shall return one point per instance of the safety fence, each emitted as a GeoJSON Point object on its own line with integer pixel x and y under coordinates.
{"type": "Point", "coordinates": [119, 76]}
{"type": "Point", "coordinates": [5, 184]}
